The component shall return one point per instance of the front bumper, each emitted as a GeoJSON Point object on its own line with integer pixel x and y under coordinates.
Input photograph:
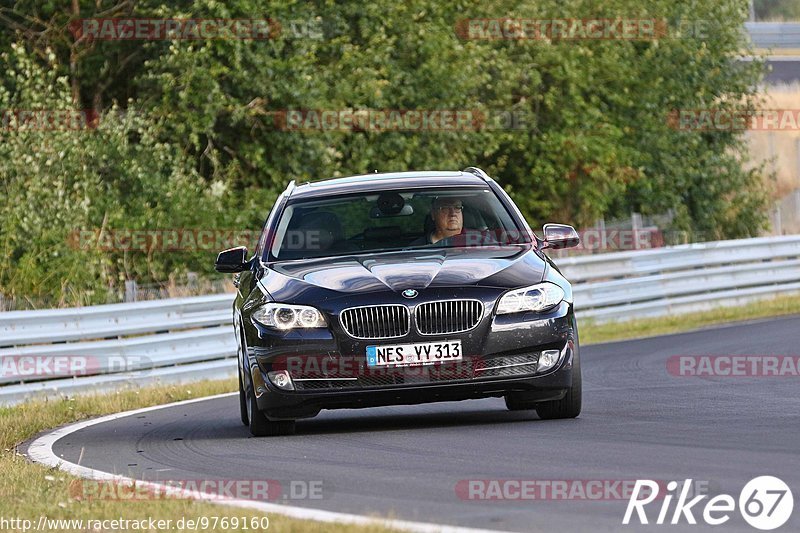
{"type": "Point", "coordinates": [512, 342]}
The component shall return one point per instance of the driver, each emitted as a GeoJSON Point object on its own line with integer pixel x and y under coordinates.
{"type": "Point", "coordinates": [448, 220]}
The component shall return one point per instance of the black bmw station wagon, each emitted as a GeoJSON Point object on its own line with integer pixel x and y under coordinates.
{"type": "Point", "coordinates": [401, 288]}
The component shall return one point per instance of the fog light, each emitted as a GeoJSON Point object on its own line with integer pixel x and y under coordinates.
{"type": "Point", "coordinates": [548, 360]}
{"type": "Point", "coordinates": [281, 379]}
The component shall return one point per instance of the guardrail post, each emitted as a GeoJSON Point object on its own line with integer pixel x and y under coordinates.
{"type": "Point", "coordinates": [601, 225]}
{"type": "Point", "coordinates": [796, 214]}
{"type": "Point", "coordinates": [773, 157]}
{"type": "Point", "coordinates": [777, 228]}
{"type": "Point", "coordinates": [130, 290]}
{"type": "Point", "coordinates": [636, 222]}
{"type": "Point", "coordinates": [797, 191]}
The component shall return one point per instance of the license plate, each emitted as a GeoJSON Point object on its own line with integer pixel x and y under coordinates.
{"type": "Point", "coordinates": [426, 353]}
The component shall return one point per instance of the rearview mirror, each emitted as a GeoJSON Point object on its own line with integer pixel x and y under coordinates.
{"type": "Point", "coordinates": [391, 204]}
{"type": "Point", "coordinates": [406, 210]}
{"type": "Point", "coordinates": [232, 260]}
{"type": "Point", "coordinates": [560, 236]}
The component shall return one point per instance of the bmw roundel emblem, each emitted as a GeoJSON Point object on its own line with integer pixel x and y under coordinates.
{"type": "Point", "coordinates": [410, 293]}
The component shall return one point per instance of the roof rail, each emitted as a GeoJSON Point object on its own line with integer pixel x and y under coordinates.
{"type": "Point", "coordinates": [478, 172]}
{"type": "Point", "coordinates": [289, 189]}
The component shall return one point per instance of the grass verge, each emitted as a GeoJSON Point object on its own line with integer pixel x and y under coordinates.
{"type": "Point", "coordinates": [616, 331]}
{"type": "Point", "coordinates": [28, 491]}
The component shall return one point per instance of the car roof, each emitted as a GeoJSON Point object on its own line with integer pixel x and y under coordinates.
{"type": "Point", "coordinates": [387, 181]}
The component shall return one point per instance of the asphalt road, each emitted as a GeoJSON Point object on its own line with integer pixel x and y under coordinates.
{"type": "Point", "coordinates": [639, 421]}
{"type": "Point", "coordinates": [784, 71]}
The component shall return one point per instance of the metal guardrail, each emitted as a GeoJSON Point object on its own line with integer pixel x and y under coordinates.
{"type": "Point", "coordinates": [774, 35]}
{"type": "Point", "coordinates": [112, 346]}
{"type": "Point", "coordinates": [12, 394]}
{"type": "Point", "coordinates": [186, 339]}
{"type": "Point", "coordinates": [682, 279]}
{"type": "Point", "coordinates": [678, 258]}
{"type": "Point", "coordinates": [114, 320]}
{"type": "Point", "coordinates": [136, 353]}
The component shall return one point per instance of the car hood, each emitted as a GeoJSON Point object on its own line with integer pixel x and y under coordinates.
{"type": "Point", "coordinates": [500, 267]}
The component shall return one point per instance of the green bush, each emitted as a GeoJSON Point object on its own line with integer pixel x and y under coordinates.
{"type": "Point", "coordinates": [187, 135]}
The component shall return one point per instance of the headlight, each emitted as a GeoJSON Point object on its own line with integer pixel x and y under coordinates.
{"type": "Point", "coordinates": [540, 297]}
{"type": "Point", "coordinates": [285, 317]}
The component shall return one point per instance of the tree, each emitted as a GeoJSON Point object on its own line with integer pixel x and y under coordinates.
{"type": "Point", "coordinates": [191, 134]}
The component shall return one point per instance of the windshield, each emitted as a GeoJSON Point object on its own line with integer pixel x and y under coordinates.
{"type": "Point", "coordinates": [392, 221]}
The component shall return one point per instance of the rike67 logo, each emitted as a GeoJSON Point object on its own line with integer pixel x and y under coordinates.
{"type": "Point", "coordinates": [766, 503]}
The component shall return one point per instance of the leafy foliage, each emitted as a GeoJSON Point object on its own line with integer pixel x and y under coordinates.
{"type": "Point", "coordinates": [777, 10]}
{"type": "Point", "coordinates": [188, 134]}
{"type": "Point", "coordinates": [57, 183]}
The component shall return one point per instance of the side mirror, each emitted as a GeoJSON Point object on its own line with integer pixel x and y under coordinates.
{"type": "Point", "coordinates": [232, 260]}
{"type": "Point", "coordinates": [560, 236]}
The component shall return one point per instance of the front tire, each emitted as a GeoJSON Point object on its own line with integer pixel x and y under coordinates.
{"type": "Point", "coordinates": [567, 407]}
{"type": "Point", "coordinates": [241, 357]}
{"type": "Point", "coordinates": [243, 403]}
{"type": "Point", "coordinates": [570, 405]}
{"type": "Point", "coordinates": [260, 425]}
{"type": "Point", "coordinates": [516, 401]}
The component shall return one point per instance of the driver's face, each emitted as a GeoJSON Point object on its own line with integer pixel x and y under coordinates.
{"type": "Point", "coordinates": [448, 215]}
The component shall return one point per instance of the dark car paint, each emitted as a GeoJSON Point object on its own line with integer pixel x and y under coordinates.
{"type": "Point", "coordinates": [332, 284]}
{"type": "Point", "coordinates": [387, 182]}
{"type": "Point", "coordinates": [309, 281]}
